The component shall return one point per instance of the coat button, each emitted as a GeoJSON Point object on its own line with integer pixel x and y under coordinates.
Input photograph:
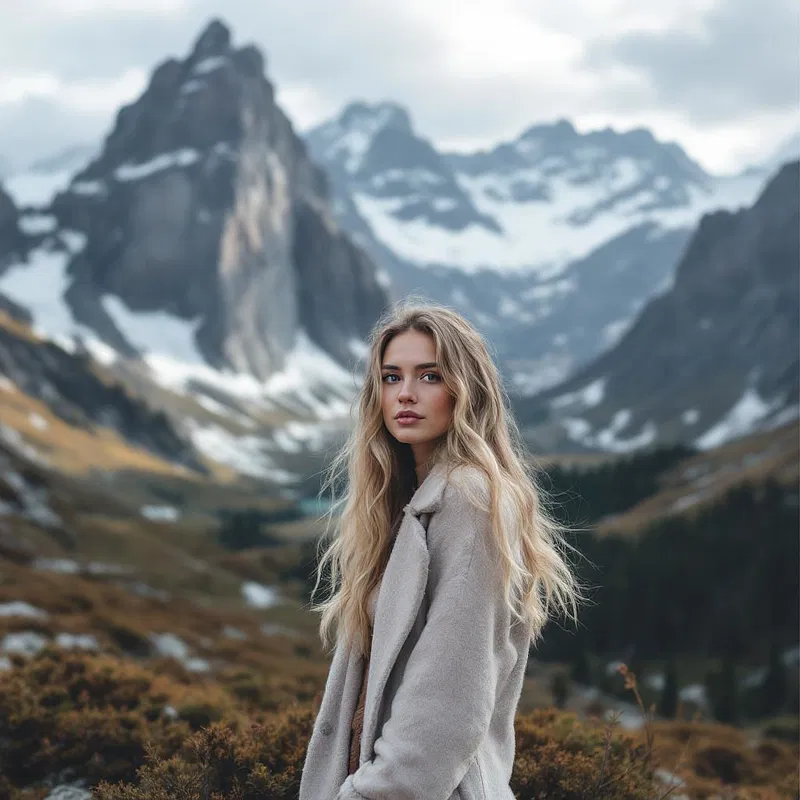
{"type": "Point", "coordinates": [326, 729]}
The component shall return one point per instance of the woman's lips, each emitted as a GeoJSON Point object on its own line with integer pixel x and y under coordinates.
{"type": "Point", "coordinates": [408, 420]}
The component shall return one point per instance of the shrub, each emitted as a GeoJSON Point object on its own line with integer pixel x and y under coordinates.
{"type": "Point", "coordinates": [560, 758]}
{"type": "Point", "coordinates": [218, 763]}
{"type": "Point", "coordinates": [90, 716]}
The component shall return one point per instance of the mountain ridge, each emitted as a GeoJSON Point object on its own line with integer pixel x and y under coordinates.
{"type": "Point", "coordinates": [729, 315]}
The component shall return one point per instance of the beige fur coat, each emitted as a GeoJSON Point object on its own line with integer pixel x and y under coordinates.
{"type": "Point", "coordinates": [445, 673]}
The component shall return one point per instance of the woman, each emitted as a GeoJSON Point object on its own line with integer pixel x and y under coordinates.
{"type": "Point", "coordinates": [443, 571]}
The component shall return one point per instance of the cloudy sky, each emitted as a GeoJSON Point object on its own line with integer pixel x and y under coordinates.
{"type": "Point", "coordinates": [718, 76]}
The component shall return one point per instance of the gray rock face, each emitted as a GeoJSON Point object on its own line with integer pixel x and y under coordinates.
{"type": "Point", "coordinates": [197, 206]}
{"type": "Point", "coordinates": [712, 358]}
{"type": "Point", "coordinates": [10, 236]}
{"type": "Point", "coordinates": [12, 246]}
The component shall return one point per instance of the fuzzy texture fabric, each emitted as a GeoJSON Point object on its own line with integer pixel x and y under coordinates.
{"type": "Point", "coordinates": [445, 673]}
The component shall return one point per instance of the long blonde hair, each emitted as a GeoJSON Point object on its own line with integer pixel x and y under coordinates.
{"type": "Point", "coordinates": [372, 478]}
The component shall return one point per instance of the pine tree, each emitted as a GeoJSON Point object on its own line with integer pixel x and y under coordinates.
{"type": "Point", "coordinates": [668, 705]}
{"type": "Point", "coordinates": [559, 686]}
{"type": "Point", "coordinates": [774, 688]}
{"type": "Point", "coordinates": [581, 671]}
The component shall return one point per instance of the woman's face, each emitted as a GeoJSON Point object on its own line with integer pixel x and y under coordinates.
{"type": "Point", "coordinates": [417, 407]}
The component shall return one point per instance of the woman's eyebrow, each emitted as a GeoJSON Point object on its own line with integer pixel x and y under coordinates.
{"type": "Point", "coordinates": [426, 365]}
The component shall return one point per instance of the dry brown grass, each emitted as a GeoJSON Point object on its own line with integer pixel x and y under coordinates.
{"type": "Point", "coordinates": [76, 450]}
{"type": "Point", "coordinates": [717, 761]}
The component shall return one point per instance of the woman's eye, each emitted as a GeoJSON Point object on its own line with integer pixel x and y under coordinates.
{"type": "Point", "coordinates": [432, 375]}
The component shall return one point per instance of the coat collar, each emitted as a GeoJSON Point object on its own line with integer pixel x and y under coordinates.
{"type": "Point", "coordinates": [428, 497]}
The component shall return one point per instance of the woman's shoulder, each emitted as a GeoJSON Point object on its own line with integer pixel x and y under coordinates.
{"type": "Point", "coordinates": [467, 483]}
{"type": "Point", "coordinates": [451, 487]}
{"type": "Point", "coordinates": [464, 498]}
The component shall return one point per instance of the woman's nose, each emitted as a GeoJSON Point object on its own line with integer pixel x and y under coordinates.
{"type": "Point", "coordinates": [405, 391]}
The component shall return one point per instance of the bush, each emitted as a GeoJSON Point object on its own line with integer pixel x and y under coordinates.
{"type": "Point", "coordinates": [138, 733]}
{"type": "Point", "coordinates": [91, 716]}
{"type": "Point", "coordinates": [562, 759]}
{"type": "Point", "coordinates": [218, 763]}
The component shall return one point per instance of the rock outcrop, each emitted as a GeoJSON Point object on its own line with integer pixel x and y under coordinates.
{"type": "Point", "coordinates": [203, 204]}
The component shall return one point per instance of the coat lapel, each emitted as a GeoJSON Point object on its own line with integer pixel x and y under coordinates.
{"type": "Point", "coordinates": [400, 597]}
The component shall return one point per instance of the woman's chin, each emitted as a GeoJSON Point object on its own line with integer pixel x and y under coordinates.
{"type": "Point", "coordinates": [409, 436]}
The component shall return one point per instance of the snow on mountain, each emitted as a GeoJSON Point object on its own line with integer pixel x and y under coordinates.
{"type": "Point", "coordinates": [550, 243]}
{"type": "Point", "coordinates": [533, 204]}
{"type": "Point", "coordinates": [712, 358]}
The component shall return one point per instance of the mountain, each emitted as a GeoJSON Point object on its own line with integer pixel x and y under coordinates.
{"type": "Point", "coordinates": [712, 358]}
{"type": "Point", "coordinates": [550, 243]}
{"type": "Point", "coordinates": [194, 258]}
{"type": "Point", "coordinates": [203, 208]}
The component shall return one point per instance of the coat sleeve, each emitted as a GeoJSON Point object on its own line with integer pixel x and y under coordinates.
{"type": "Point", "coordinates": [443, 706]}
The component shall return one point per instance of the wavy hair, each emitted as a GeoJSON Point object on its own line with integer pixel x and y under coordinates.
{"type": "Point", "coordinates": [372, 478]}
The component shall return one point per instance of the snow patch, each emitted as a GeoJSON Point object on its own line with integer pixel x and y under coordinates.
{"type": "Point", "coordinates": [169, 645]}
{"type": "Point", "coordinates": [589, 396]}
{"type": "Point", "coordinates": [184, 157]}
{"type": "Point", "coordinates": [79, 641]}
{"type": "Point", "coordinates": [69, 792]}
{"type": "Point", "coordinates": [694, 693]}
{"type": "Point", "coordinates": [88, 188]}
{"type": "Point", "coordinates": [244, 454]}
{"type": "Point", "coordinates": [19, 608]}
{"type": "Point", "coordinates": [155, 331]}
{"type": "Point", "coordinates": [608, 438]}
{"type": "Point", "coordinates": [38, 284]}
{"type": "Point", "coordinates": [38, 421]}
{"type": "Point", "coordinates": [37, 224]}
{"type": "Point", "coordinates": [160, 513]}
{"type": "Point", "coordinates": [27, 643]}
{"type": "Point", "coordinates": [209, 64]}
{"type": "Point", "coordinates": [63, 566]}
{"type": "Point", "coordinates": [690, 416]}
{"type": "Point", "coordinates": [742, 419]}
{"type": "Point", "coordinates": [259, 596]}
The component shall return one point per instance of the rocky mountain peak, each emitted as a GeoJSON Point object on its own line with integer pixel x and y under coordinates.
{"type": "Point", "coordinates": [559, 130]}
{"type": "Point", "coordinates": [203, 205]}
{"type": "Point", "coordinates": [215, 40]}
{"type": "Point", "coordinates": [377, 116]}
{"type": "Point", "coordinates": [346, 142]}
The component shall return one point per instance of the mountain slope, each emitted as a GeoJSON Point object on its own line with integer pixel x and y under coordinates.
{"type": "Point", "coordinates": [712, 358]}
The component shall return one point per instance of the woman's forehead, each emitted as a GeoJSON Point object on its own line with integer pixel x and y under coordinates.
{"type": "Point", "coordinates": [410, 349]}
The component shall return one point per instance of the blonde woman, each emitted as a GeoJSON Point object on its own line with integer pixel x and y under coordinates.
{"type": "Point", "coordinates": [443, 570]}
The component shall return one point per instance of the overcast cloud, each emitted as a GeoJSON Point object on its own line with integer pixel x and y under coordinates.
{"type": "Point", "coordinates": [718, 76]}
